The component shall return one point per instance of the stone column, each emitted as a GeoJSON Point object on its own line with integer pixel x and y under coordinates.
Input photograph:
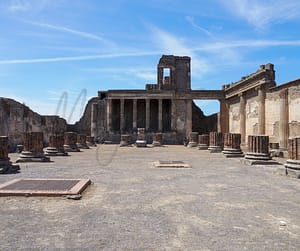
{"type": "Point", "coordinates": [122, 115]}
{"type": "Point", "coordinates": [94, 118]}
{"type": "Point", "coordinates": [215, 142]}
{"type": "Point", "coordinates": [125, 140]}
{"type": "Point", "coordinates": [157, 139]}
{"type": "Point", "coordinates": [284, 119]}
{"type": "Point", "coordinates": [173, 115]}
{"type": "Point", "coordinates": [188, 117]}
{"type": "Point", "coordinates": [141, 138]}
{"type": "Point", "coordinates": [293, 163]}
{"type": "Point", "coordinates": [70, 140]}
{"type": "Point", "coordinates": [258, 150]}
{"type": "Point", "coordinates": [33, 148]}
{"type": "Point", "coordinates": [147, 115]}
{"type": "Point", "coordinates": [232, 145]}
{"type": "Point", "coordinates": [134, 115]}
{"type": "Point", "coordinates": [81, 141]}
{"type": "Point", "coordinates": [224, 116]}
{"type": "Point", "coordinates": [193, 139]}
{"type": "Point", "coordinates": [261, 113]}
{"type": "Point", "coordinates": [56, 146]}
{"type": "Point", "coordinates": [243, 117]}
{"type": "Point", "coordinates": [160, 120]}
{"type": "Point", "coordinates": [5, 164]}
{"type": "Point", "coordinates": [203, 141]}
{"type": "Point", "coordinates": [108, 115]}
{"type": "Point", "coordinates": [90, 141]}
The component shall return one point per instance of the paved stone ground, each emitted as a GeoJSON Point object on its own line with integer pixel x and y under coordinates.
{"type": "Point", "coordinates": [218, 204]}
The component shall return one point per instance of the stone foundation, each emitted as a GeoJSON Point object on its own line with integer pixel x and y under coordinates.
{"type": "Point", "coordinates": [5, 164]}
{"type": "Point", "coordinates": [33, 148]}
{"type": "Point", "coordinates": [215, 142]}
{"type": "Point", "coordinates": [232, 145]}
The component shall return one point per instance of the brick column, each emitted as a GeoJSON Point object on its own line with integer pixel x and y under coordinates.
{"type": "Point", "coordinates": [70, 140]}
{"type": "Point", "coordinates": [122, 116]}
{"type": "Point", "coordinates": [193, 139]}
{"type": "Point", "coordinates": [157, 139]}
{"type": "Point", "coordinates": [5, 164]}
{"type": "Point", "coordinates": [293, 163]}
{"type": "Point", "coordinates": [94, 118]}
{"type": "Point", "coordinates": [261, 113]}
{"type": "Point", "coordinates": [215, 142]}
{"type": "Point", "coordinates": [243, 117]}
{"type": "Point", "coordinates": [188, 117]}
{"type": "Point", "coordinates": [125, 140]}
{"type": "Point", "coordinates": [203, 141]}
{"type": "Point", "coordinates": [160, 121]}
{"type": "Point", "coordinates": [147, 115]}
{"type": "Point", "coordinates": [81, 141]}
{"type": "Point", "coordinates": [90, 141]}
{"type": "Point", "coordinates": [173, 115]}
{"type": "Point", "coordinates": [224, 116]}
{"type": "Point", "coordinates": [232, 145]}
{"type": "Point", "coordinates": [108, 115]}
{"type": "Point", "coordinates": [33, 148]}
{"type": "Point", "coordinates": [284, 119]}
{"type": "Point", "coordinates": [56, 146]}
{"type": "Point", "coordinates": [141, 138]}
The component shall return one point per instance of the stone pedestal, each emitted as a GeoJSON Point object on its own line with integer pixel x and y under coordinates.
{"type": "Point", "coordinates": [203, 141]}
{"type": "Point", "coordinates": [215, 142]}
{"type": "Point", "coordinates": [90, 141]}
{"type": "Point", "coordinates": [157, 139]}
{"type": "Point", "coordinates": [125, 140]}
{"type": "Point", "coordinates": [292, 165]}
{"type": "Point", "coordinates": [232, 145]}
{"type": "Point", "coordinates": [258, 151]}
{"type": "Point", "coordinates": [141, 138]}
{"type": "Point", "coordinates": [193, 139]}
{"type": "Point", "coordinates": [33, 148]}
{"type": "Point", "coordinates": [5, 164]}
{"type": "Point", "coordinates": [70, 139]}
{"type": "Point", "coordinates": [56, 146]}
{"type": "Point", "coordinates": [81, 141]}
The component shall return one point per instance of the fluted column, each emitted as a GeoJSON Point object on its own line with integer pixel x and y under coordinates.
{"type": "Point", "coordinates": [232, 145]}
{"type": "Point", "coordinates": [122, 115]}
{"type": "Point", "coordinates": [193, 139]}
{"type": "Point", "coordinates": [203, 141]}
{"type": "Point", "coordinates": [160, 120]}
{"type": "Point", "coordinates": [261, 113]}
{"type": "Point", "coordinates": [243, 117]}
{"type": "Point", "coordinates": [147, 115]}
{"type": "Point", "coordinates": [134, 114]}
{"type": "Point", "coordinates": [5, 164]}
{"type": "Point", "coordinates": [284, 119]}
{"type": "Point", "coordinates": [215, 142]}
{"type": "Point", "coordinates": [293, 163]}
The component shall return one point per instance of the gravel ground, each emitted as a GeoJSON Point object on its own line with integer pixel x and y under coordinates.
{"type": "Point", "coordinates": [218, 204]}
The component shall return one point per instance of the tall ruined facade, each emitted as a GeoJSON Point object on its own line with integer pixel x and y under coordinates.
{"type": "Point", "coordinates": [163, 107]}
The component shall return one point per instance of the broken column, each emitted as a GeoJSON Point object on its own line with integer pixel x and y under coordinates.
{"type": "Point", "coordinates": [203, 141]}
{"type": "Point", "coordinates": [70, 139]}
{"type": "Point", "coordinates": [56, 146]}
{"type": "Point", "coordinates": [33, 148]}
{"type": "Point", "coordinates": [81, 141]}
{"type": "Point", "coordinates": [5, 163]}
{"type": "Point", "coordinates": [157, 139]}
{"type": "Point", "coordinates": [292, 165]}
{"type": "Point", "coordinates": [258, 151]}
{"type": "Point", "coordinates": [232, 145]}
{"type": "Point", "coordinates": [215, 142]}
{"type": "Point", "coordinates": [90, 141]}
{"type": "Point", "coordinates": [141, 138]}
{"type": "Point", "coordinates": [125, 140]}
{"type": "Point", "coordinates": [193, 139]}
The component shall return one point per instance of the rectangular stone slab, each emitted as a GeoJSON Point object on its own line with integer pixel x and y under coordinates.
{"type": "Point", "coordinates": [171, 164]}
{"type": "Point", "coordinates": [43, 187]}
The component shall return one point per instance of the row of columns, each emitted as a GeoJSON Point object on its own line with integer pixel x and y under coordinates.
{"type": "Point", "coordinates": [135, 114]}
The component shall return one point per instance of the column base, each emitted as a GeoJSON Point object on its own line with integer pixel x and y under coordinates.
{"type": "Point", "coordinates": [53, 151]}
{"type": "Point", "coordinates": [293, 168]}
{"type": "Point", "coordinates": [27, 156]}
{"type": "Point", "coordinates": [7, 167]}
{"type": "Point", "coordinates": [215, 149]}
{"type": "Point", "coordinates": [89, 144]}
{"type": "Point", "coordinates": [258, 159]}
{"type": "Point", "coordinates": [69, 148]}
{"type": "Point", "coordinates": [232, 153]}
{"type": "Point", "coordinates": [82, 146]}
{"type": "Point", "coordinates": [202, 147]}
{"type": "Point", "coordinates": [156, 144]}
{"type": "Point", "coordinates": [192, 144]}
{"type": "Point", "coordinates": [141, 143]}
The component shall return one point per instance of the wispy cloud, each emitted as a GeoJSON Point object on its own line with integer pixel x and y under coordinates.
{"type": "Point", "coordinates": [17, 6]}
{"type": "Point", "coordinates": [191, 20]}
{"type": "Point", "coordinates": [78, 58]}
{"type": "Point", "coordinates": [262, 13]}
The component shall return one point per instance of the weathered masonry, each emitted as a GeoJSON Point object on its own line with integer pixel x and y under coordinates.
{"type": "Point", "coordinates": [163, 107]}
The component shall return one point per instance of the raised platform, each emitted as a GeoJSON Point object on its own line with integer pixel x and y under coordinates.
{"type": "Point", "coordinates": [171, 164]}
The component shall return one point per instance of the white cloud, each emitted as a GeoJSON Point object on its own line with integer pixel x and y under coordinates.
{"type": "Point", "coordinates": [262, 13]}
{"type": "Point", "coordinates": [17, 6]}
{"type": "Point", "coordinates": [191, 20]}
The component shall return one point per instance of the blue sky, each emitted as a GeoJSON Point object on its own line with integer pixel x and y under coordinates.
{"type": "Point", "coordinates": [50, 48]}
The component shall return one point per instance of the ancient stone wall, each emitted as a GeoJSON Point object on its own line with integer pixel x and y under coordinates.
{"type": "Point", "coordinates": [17, 118]}
{"type": "Point", "coordinates": [272, 116]}
{"type": "Point", "coordinates": [252, 110]}
{"type": "Point", "coordinates": [234, 117]}
{"type": "Point", "coordinates": [294, 113]}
